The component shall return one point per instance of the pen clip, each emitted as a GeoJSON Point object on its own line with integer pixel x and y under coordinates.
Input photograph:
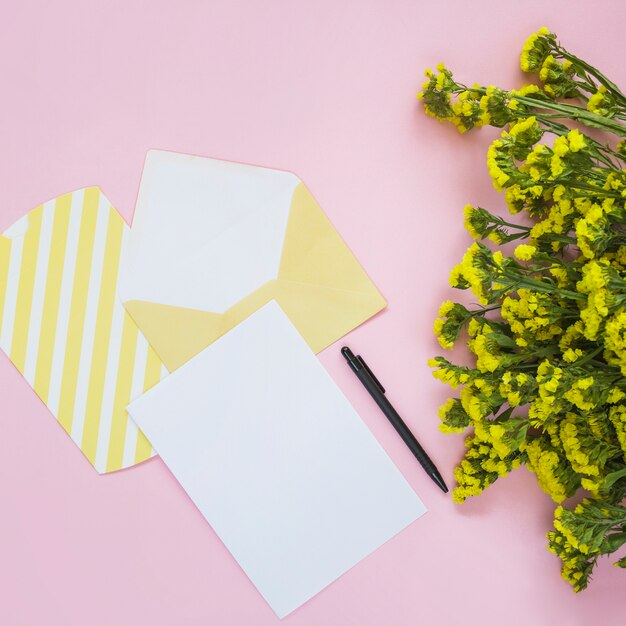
{"type": "Point", "coordinates": [371, 374]}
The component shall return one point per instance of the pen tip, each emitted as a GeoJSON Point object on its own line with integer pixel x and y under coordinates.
{"type": "Point", "coordinates": [441, 484]}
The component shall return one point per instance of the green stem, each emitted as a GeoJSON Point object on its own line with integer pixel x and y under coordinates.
{"type": "Point", "coordinates": [500, 222]}
{"type": "Point", "coordinates": [589, 356]}
{"type": "Point", "coordinates": [517, 236]}
{"type": "Point", "coordinates": [567, 110]}
{"type": "Point", "coordinates": [561, 129]}
{"type": "Point", "coordinates": [540, 286]}
{"type": "Point", "coordinates": [597, 190]}
{"type": "Point", "coordinates": [486, 310]}
{"type": "Point", "coordinates": [575, 113]}
{"type": "Point", "coordinates": [601, 150]}
{"type": "Point", "coordinates": [602, 79]}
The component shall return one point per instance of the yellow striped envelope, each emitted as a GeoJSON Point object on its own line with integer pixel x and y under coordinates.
{"type": "Point", "coordinates": [64, 328]}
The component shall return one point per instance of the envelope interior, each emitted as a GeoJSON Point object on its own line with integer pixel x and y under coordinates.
{"type": "Point", "coordinates": [319, 284]}
{"type": "Point", "coordinates": [206, 233]}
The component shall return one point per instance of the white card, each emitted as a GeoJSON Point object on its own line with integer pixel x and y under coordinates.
{"type": "Point", "coordinates": [276, 459]}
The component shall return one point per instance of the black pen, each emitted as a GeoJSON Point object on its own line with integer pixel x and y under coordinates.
{"type": "Point", "coordinates": [377, 391]}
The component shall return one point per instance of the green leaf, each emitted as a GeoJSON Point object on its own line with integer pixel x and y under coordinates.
{"type": "Point", "coordinates": [613, 477]}
{"type": "Point", "coordinates": [503, 340]}
{"type": "Point", "coordinates": [613, 542]}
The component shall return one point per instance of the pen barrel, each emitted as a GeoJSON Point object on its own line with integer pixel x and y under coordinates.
{"type": "Point", "coordinates": [398, 423]}
{"type": "Point", "coordinates": [409, 439]}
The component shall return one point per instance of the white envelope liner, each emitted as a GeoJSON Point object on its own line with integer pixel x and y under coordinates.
{"type": "Point", "coordinates": [205, 233]}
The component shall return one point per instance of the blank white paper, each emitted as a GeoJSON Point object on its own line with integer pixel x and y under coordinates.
{"type": "Point", "coordinates": [276, 459]}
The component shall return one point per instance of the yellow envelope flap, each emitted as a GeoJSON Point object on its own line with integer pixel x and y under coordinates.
{"type": "Point", "coordinates": [176, 333]}
{"type": "Point", "coordinates": [314, 252]}
{"type": "Point", "coordinates": [323, 315]}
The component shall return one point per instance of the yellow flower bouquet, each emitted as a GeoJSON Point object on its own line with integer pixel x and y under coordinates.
{"type": "Point", "coordinates": [548, 389]}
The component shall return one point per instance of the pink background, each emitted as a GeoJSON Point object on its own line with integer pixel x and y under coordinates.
{"type": "Point", "coordinates": [326, 89]}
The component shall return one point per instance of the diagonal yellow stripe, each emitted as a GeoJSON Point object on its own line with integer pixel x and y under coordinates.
{"type": "Point", "coordinates": [78, 306]}
{"type": "Point", "coordinates": [25, 288]}
{"type": "Point", "coordinates": [102, 336]}
{"type": "Point", "coordinates": [123, 388]}
{"type": "Point", "coordinates": [152, 377]}
{"type": "Point", "coordinates": [52, 295]}
{"type": "Point", "coordinates": [5, 257]}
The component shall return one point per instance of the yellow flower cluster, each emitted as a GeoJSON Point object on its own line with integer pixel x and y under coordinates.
{"type": "Point", "coordinates": [453, 417]}
{"type": "Point", "coordinates": [581, 536]}
{"type": "Point", "coordinates": [574, 553]}
{"type": "Point", "coordinates": [591, 229]}
{"type": "Point", "coordinates": [617, 415]}
{"type": "Point", "coordinates": [594, 283]}
{"type": "Point", "coordinates": [491, 453]}
{"type": "Point", "coordinates": [471, 216]}
{"type": "Point", "coordinates": [600, 102]}
{"type": "Point", "coordinates": [554, 475]}
{"type": "Point", "coordinates": [498, 174]}
{"type": "Point", "coordinates": [558, 78]}
{"type": "Point", "coordinates": [556, 221]}
{"type": "Point", "coordinates": [486, 355]}
{"type": "Point", "coordinates": [472, 272]}
{"type": "Point", "coordinates": [535, 50]}
{"type": "Point", "coordinates": [615, 340]}
{"type": "Point", "coordinates": [515, 387]}
{"type": "Point", "coordinates": [475, 398]}
{"type": "Point", "coordinates": [525, 252]}
{"type": "Point", "coordinates": [448, 373]}
{"type": "Point", "coordinates": [547, 337]}
{"type": "Point", "coordinates": [569, 535]}
{"type": "Point", "coordinates": [543, 164]}
{"type": "Point", "coordinates": [577, 395]}
{"type": "Point", "coordinates": [528, 315]}
{"type": "Point", "coordinates": [574, 448]}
